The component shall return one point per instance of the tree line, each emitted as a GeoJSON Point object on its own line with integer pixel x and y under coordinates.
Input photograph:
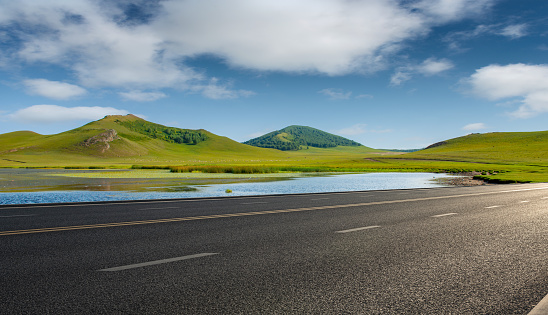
{"type": "Point", "coordinates": [298, 137]}
{"type": "Point", "coordinates": [169, 134]}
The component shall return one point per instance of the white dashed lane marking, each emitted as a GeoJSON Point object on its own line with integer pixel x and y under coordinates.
{"type": "Point", "coordinates": [157, 262]}
{"type": "Point", "coordinates": [17, 215]}
{"type": "Point", "coordinates": [443, 215]}
{"type": "Point", "coordinates": [359, 229]}
{"type": "Point", "coordinates": [162, 208]}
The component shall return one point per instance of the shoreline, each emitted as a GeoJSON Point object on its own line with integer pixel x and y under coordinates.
{"type": "Point", "coordinates": [464, 180]}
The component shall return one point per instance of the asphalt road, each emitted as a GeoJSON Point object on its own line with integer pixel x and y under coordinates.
{"type": "Point", "coordinates": [476, 250]}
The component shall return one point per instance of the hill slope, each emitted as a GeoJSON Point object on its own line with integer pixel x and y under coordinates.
{"type": "Point", "coordinates": [128, 138]}
{"type": "Point", "coordinates": [296, 137]}
{"type": "Point", "coordinates": [497, 147]}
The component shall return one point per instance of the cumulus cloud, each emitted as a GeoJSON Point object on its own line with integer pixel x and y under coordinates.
{"type": "Point", "coordinates": [53, 89]}
{"type": "Point", "coordinates": [527, 83]}
{"type": "Point", "coordinates": [327, 36]}
{"type": "Point", "coordinates": [50, 114]}
{"type": "Point", "coordinates": [110, 54]}
{"type": "Point", "coordinates": [332, 37]}
{"type": "Point", "coordinates": [140, 96]}
{"type": "Point", "coordinates": [474, 126]}
{"type": "Point", "coordinates": [428, 67]}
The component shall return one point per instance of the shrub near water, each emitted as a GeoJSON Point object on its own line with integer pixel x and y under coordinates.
{"type": "Point", "coordinates": [250, 169]}
{"type": "Point", "coordinates": [224, 169]}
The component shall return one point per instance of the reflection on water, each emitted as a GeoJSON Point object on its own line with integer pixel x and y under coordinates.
{"type": "Point", "coordinates": [35, 180]}
{"type": "Point", "coordinates": [35, 186]}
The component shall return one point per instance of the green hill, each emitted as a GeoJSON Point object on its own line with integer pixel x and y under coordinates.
{"type": "Point", "coordinates": [297, 137]}
{"type": "Point", "coordinates": [504, 157]}
{"type": "Point", "coordinates": [123, 140]}
{"type": "Point", "coordinates": [529, 148]}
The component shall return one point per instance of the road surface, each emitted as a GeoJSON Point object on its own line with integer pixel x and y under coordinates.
{"type": "Point", "coordinates": [472, 250]}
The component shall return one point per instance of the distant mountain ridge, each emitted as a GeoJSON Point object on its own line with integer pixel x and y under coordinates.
{"type": "Point", "coordinates": [296, 137]}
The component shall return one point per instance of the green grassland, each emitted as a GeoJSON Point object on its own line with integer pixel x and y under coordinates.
{"type": "Point", "coordinates": [529, 148]}
{"type": "Point", "coordinates": [502, 157]}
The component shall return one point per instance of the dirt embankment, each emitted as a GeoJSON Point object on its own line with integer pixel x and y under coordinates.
{"type": "Point", "coordinates": [464, 179]}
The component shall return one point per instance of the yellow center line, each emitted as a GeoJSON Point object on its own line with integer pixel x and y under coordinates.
{"type": "Point", "coordinates": [216, 216]}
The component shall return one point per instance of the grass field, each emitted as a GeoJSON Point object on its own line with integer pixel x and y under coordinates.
{"type": "Point", "coordinates": [502, 157]}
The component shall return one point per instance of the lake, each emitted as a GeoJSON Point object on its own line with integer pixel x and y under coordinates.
{"type": "Point", "coordinates": [51, 186]}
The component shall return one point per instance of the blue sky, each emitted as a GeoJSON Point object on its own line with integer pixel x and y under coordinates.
{"type": "Point", "coordinates": [394, 74]}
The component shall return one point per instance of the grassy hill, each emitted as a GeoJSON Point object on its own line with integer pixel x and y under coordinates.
{"type": "Point", "coordinates": [529, 148]}
{"type": "Point", "coordinates": [501, 156]}
{"type": "Point", "coordinates": [122, 140]}
{"type": "Point", "coordinates": [299, 137]}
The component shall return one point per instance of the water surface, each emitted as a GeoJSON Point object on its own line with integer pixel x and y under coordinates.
{"type": "Point", "coordinates": [43, 188]}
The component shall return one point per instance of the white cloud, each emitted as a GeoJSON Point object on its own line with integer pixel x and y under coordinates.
{"type": "Point", "coordinates": [327, 36]}
{"type": "Point", "coordinates": [55, 114]}
{"type": "Point", "coordinates": [514, 31]}
{"type": "Point", "coordinates": [332, 37]}
{"type": "Point", "coordinates": [450, 10]}
{"type": "Point", "coordinates": [399, 77]}
{"type": "Point", "coordinates": [354, 130]}
{"type": "Point", "coordinates": [140, 96]}
{"type": "Point", "coordinates": [109, 54]}
{"type": "Point", "coordinates": [474, 126]}
{"type": "Point", "coordinates": [335, 94]}
{"type": "Point", "coordinates": [216, 91]}
{"type": "Point", "coordinates": [528, 83]}
{"type": "Point", "coordinates": [339, 94]}
{"type": "Point", "coordinates": [432, 66]}
{"type": "Point", "coordinates": [53, 89]}
{"type": "Point", "coordinates": [428, 67]}
{"type": "Point", "coordinates": [361, 96]}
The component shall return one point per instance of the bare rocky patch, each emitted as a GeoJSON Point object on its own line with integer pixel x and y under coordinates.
{"type": "Point", "coordinates": [102, 140]}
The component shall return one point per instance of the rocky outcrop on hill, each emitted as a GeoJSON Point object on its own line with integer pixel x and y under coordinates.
{"type": "Point", "coordinates": [102, 139]}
